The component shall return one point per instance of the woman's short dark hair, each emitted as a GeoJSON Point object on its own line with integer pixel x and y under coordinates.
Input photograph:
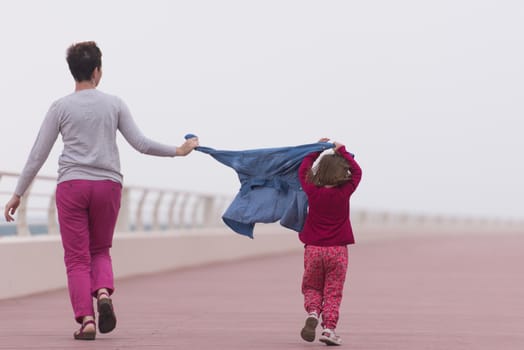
{"type": "Point", "coordinates": [82, 59]}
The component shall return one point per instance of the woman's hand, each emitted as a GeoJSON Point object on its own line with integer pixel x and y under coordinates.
{"type": "Point", "coordinates": [324, 139]}
{"type": "Point", "coordinates": [187, 147]}
{"type": "Point", "coordinates": [10, 208]}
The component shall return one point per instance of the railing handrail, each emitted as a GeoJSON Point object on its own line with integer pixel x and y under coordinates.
{"type": "Point", "coordinates": [185, 209]}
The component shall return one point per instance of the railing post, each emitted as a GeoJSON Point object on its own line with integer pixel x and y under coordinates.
{"type": "Point", "coordinates": [140, 211]}
{"type": "Point", "coordinates": [182, 210]}
{"type": "Point", "coordinates": [171, 212]}
{"type": "Point", "coordinates": [52, 225]}
{"type": "Point", "coordinates": [22, 227]}
{"type": "Point", "coordinates": [197, 204]}
{"type": "Point", "coordinates": [217, 211]}
{"type": "Point", "coordinates": [122, 223]}
{"type": "Point", "coordinates": [208, 213]}
{"type": "Point", "coordinates": [156, 210]}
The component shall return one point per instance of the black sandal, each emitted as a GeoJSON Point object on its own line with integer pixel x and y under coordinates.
{"type": "Point", "coordinates": [81, 334]}
{"type": "Point", "coordinates": [106, 314]}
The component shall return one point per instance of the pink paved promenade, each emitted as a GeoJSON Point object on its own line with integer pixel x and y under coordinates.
{"type": "Point", "coordinates": [448, 293]}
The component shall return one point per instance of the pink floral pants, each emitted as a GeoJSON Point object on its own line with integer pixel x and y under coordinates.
{"type": "Point", "coordinates": [323, 281]}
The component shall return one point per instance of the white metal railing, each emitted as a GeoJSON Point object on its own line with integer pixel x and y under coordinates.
{"type": "Point", "coordinates": [142, 208]}
{"type": "Point", "coordinates": [160, 209]}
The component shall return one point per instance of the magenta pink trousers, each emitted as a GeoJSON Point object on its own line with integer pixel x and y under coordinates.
{"type": "Point", "coordinates": [87, 214]}
{"type": "Point", "coordinates": [323, 281]}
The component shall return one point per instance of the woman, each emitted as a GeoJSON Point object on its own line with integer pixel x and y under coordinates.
{"type": "Point", "coordinates": [89, 182]}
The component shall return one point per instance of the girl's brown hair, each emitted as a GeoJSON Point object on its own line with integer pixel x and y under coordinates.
{"type": "Point", "coordinates": [331, 170]}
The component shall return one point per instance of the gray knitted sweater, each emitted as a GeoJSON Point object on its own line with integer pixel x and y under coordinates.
{"type": "Point", "coordinates": [88, 121]}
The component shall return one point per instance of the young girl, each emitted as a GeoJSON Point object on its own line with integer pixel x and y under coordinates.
{"type": "Point", "coordinates": [326, 234]}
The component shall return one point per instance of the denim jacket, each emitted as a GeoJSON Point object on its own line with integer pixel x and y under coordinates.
{"type": "Point", "coordinates": [269, 186]}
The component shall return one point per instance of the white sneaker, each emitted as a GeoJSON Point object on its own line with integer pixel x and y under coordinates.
{"type": "Point", "coordinates": [308, 332]}
{"type": "Point", "coordinates": [329, 337]}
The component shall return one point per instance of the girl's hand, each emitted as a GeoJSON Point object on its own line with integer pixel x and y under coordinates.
{"type": "Point", "coordinates": [324, 139]}
{"type": "Point", "coordinates": [337, 145]}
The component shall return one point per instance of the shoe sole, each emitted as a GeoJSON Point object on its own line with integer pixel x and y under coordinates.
{"type": "Point", "coordinates": [85, 336]}
{"type": "Point", "coordinates": [106, 316]}
{"type": "Point", "coordinates": [329, 342]}
{"type": "Point", "coordinates": [81, 334]}
{"type": "Point", "coordinates": [308, 332]}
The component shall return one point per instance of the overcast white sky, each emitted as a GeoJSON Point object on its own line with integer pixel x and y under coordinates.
{"type": "Point", "coordinates": [427, 94]}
